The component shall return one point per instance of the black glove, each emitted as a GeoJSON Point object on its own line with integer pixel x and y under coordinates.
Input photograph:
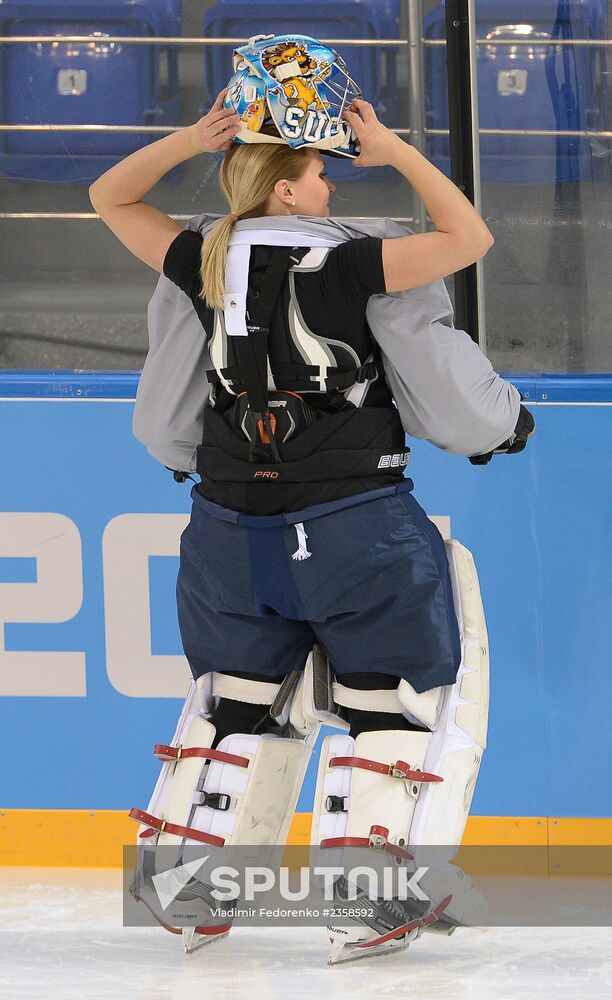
{"type": "Point", "coordinates": [525, 426]}
{"type": "Point", "coordinates": [180, 477]}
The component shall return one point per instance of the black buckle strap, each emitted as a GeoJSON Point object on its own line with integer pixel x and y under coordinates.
{"type": "Point", "coordinates": [216, 800]}
{"type": "Point", "coordinates": [301, 376]}
{"type": "Point", "coordinates": [252, 351]}
{"type": "Point", "coordinates": [336, 803]}
{"type": "Point", "coordinates": [263, 433]}
{"type": "Point", "coordinates": [345, 380]}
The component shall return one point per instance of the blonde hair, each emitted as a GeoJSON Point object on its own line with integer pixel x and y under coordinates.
{"type": "Point", "coordinates": [247, 178]}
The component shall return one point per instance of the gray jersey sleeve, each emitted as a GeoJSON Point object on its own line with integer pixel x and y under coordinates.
{"type": "Point", "coordinates": [173, 389]}
{"type": "Point", "coordinates": [445, 388]}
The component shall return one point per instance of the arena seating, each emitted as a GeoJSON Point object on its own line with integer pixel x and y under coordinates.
{"type": "Point", "coordinates": [537, 86]}
{"type": "Point", "coordinates": [80, 83]}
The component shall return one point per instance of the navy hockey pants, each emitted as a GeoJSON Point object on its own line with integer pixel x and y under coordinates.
{"type": "Point", "coordinates": [366, 577]}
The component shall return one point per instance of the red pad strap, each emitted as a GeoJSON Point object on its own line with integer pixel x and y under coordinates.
{"type": "Point", "coordinates": [221, 929]}
{"type": "Point", "coordinates": [182, 753]}
{"type": "Point", "coordinates": [425, 921]}
{"type": "Point", "coordinates": [162, 826]}
{"type": "Point", "coordinates": [398, 770]}
{"type": "Point", "coordinates": [397, 852]}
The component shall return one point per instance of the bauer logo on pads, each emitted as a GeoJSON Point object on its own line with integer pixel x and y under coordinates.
{"type": "Point", "coordinates": [394, 461]}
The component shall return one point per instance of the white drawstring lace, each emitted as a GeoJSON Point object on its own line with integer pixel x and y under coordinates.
{"type": "Point", "coordinates": [302, 551]}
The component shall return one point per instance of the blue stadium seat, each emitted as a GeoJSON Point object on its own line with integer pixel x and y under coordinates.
{"type": "Point", "coordinates": [386, 13]}
{"type": "Point", "coordinates": [528, 87]}
{"type": "Point", "coordinates": [373, 69]}
{"type": "Point", "coordinates": [83, 83]}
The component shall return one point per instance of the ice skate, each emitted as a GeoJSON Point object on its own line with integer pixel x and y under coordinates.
{"type": "Point", "coordinates": [143, 890]}
{"type": "Point", "coordinates": [195, 938]}
{"type": "Point", "coordinates": [383, 927]}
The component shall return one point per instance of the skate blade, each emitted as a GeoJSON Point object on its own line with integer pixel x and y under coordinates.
{"type": "Point", "coordinates": [344, 953]}
{"type": "Point", "coordinates": [192, 941]}
{"type": "Point", "coordinates": [443, 929]}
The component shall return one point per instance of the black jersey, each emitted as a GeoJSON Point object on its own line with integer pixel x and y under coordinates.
{"type": "Point", "coordinates": [332, 299]}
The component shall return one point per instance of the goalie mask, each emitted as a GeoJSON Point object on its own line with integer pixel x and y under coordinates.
{"type": "Point", "coordinates": [292, 89]}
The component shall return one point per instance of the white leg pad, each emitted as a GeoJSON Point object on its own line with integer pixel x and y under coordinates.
{"type": "Point", "coordinates": [260, 797]}
{"type": "Point", "coordinates": [369, 798]}
{"type": "Point", "coordinates": [459, 731]}
{"type": "Point", "coordinates": [176, 786]}
{"type": "Point", "coordinates": [248, 799]}
{"type": "Point", "coordinates": [432, 813]}
{"type": "Point", "coordinates": [332, 782]}
{"type": "Point", "coordinates": [266, 809]}
{"type": "Point", "coordinates": [394, 799]}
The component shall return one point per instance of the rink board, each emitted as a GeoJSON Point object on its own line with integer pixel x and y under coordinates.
{"type": "Point", "coordinates": [91, 668]}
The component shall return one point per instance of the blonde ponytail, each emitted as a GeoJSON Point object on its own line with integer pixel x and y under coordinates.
{"type": "Point", "coordinates": [212, 267]}
{"type": "Point", "coordinates": [247, 178]}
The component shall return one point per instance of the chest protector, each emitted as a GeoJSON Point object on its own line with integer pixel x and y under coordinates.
{"type": "Point", "coordinates": [293, 418]}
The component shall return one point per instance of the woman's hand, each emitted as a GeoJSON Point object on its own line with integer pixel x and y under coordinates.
{"type": "Point", "coordinates": [378, 143]}
{"type": "Point", "coordinates": [117, 195]}
{"type": "Point", "coordinates": [215, 131]}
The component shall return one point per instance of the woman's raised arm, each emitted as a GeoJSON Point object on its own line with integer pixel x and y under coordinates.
{"type": "Point", "coordinates": [462, 237]}
{"type": "Point", "coordinates": [117, 194]}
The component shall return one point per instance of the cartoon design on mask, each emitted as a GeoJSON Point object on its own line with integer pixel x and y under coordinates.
{"type": "Point", "coordinates": [297, 72]}
{"type": "Point", "coordinates": [293, 89]}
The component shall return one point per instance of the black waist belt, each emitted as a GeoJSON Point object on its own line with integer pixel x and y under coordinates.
{"type": "Point", "coordinates": [354, 444]}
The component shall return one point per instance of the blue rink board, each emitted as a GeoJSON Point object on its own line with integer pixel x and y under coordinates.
{"type": "Point", "coordinates": [538, 525]}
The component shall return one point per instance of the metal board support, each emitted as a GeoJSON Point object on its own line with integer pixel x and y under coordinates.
{"type": "Point", "coordinates": [465, 151]}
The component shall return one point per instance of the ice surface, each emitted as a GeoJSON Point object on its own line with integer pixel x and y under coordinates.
{"type": "Point", "coordinates": [61, 936]}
